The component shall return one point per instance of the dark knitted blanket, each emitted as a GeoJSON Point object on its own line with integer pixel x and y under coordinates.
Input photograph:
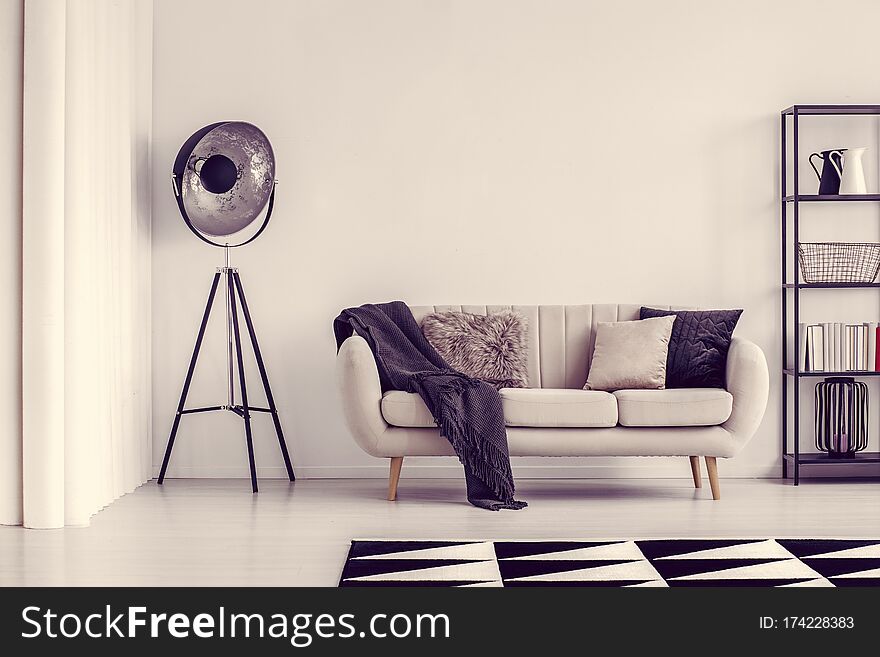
{"type": "Point", "coordinates": [468, 411]}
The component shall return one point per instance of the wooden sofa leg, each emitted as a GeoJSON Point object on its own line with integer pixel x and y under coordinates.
{"type": "Point", "coordinates": [712, 469]}
{"type": "Point", "coordinates": [695, 470]}
{"type": "Point", "coordinates": [394, 477]}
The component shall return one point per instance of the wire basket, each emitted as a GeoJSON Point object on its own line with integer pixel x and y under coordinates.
{"type": "Point", "coordinates": [839, 262]}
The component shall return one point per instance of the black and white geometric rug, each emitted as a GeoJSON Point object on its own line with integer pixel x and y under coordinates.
{"type": "Point", "coordinates": [666, 562]}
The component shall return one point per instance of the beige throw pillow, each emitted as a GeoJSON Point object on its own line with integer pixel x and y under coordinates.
{"type": "Point", "coordinates": [630, 354]}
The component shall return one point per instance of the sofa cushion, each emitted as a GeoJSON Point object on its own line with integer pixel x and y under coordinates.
{"type": "Point", "coordinates": [677, 407]}
{"type": "Point", "coordinates": [405, 409]}
{"type": "Point", "coordinates": [558, 407]}
{"type": "Point", "coordinates": [523, 407]}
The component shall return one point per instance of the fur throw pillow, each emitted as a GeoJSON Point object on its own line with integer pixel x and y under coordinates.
{"type": "Point", "coordinates": [488, 347]}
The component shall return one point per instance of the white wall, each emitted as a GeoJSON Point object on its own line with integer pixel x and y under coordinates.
{"type": "Point", "coordinates": [488, 151]}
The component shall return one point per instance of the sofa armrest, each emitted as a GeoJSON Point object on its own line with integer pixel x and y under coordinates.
{"type": "Point", "coordinates": [361, 392]}
{"type": "Point", "coordinates": [749, 382]}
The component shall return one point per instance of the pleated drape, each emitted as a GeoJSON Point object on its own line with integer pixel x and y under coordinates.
{"type": "Point", "coordinates": [11, 69]}
{"type": "Point", "coordinates": [43, 264]}
{"type": "Point", "coordinates": [85, 366]}
{"type": "Point", "coordinates": [107, 250]}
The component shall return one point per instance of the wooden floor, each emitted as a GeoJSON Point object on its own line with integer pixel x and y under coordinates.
{"type": "Point", "coordinates": [216, 532]}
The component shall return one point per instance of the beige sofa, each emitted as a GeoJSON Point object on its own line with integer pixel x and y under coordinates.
{"type": "Point", "coordinates": [555, 416]}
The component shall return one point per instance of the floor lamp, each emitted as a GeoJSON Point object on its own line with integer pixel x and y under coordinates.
{"type": "Point", "coordinates": [223, 178]}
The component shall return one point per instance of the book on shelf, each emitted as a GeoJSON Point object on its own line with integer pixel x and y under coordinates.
{"type": "Point", "coordinates": [814, 357]}
{"type": "Point", "coordinates": [856, 352]}
{"type": "Point", "coordinates": [851, 348]}
{"type": "Point", "coordinates": [877, 350]}
{"type": "Point", "coordinates": [871, 347]}
{"type": "Point", "coordinates": [838, 347]}
{"type": "Point", "coordinates": [827, 346]}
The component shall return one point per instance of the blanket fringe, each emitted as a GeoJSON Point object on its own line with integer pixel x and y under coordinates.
{"type": "Point", "coordinates": [486, 461]}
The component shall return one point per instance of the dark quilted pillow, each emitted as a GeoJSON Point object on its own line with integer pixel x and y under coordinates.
{"type": "Point", "coordinates": [698, 346]}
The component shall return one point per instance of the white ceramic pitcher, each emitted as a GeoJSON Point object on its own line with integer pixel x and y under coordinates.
{"type": "Point", "coordinates": [852, 178]}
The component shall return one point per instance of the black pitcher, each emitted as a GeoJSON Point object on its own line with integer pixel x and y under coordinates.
{"type": "Point", "coordinates": [832, 167]}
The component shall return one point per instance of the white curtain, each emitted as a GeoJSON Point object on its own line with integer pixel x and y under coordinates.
{"type": "Point", "coordinates": [85, 260]}
{"type": "Point", "coordinates": [11, 48]}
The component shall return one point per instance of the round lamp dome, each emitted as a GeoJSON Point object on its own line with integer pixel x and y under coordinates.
{"type": "Point", "coordinates": [225, 175]}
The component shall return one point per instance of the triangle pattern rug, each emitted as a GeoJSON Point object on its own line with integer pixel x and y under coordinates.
{"type": "Point", "coordinates": [637, 563]}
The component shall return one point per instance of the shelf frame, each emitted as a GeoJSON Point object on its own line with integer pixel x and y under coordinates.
{"type": "Point", "coordinates": [829, 286]}
{"type": "Point", "coordinates": [851, 373]}
{"type": "Point", "coordinates": [820, 458]}
{"type": "Point", "coordinates": [832, 110]}
{"type": "Point", "coordinates": [790, 213]}
{"type": "Point", "coordinates": [830, 198]}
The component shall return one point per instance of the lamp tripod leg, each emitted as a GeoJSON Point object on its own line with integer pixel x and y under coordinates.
{"type": "Point", "coordinates": [189, 376]}
{"type": "Point", "coordinates": [230, 375]}
{"type": "Point", "coordinates": [246, 413]}
{"type": "Point", "coordinates": [264, 377]}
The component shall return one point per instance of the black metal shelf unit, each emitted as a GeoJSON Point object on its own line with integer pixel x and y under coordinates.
{"type": "Point", "coordinates": [792, 460]}
{"type": "Point", "coordinates": [822, 459]}
{"type": "Point", "coordinates": [829, 286]}
{"type": "Point", "coordinates": [856, 373]}
{"type": "Point", "coordinates": [807, 198]}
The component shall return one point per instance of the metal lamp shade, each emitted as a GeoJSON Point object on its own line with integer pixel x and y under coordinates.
{"type": "Point", "coordinates": [226, 173]}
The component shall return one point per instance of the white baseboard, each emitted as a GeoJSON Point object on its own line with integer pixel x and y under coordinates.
{"type": "Point", "coordinates": [670, 469]}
